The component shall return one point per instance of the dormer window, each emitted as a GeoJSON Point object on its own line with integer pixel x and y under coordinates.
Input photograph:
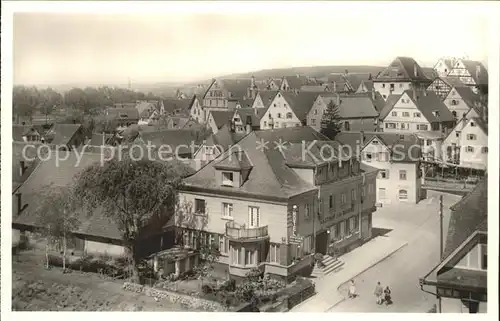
{"type": "Point", "coordinates": [227, 179]}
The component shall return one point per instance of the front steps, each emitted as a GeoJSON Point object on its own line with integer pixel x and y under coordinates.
{"type": "Point", "coordinates": [330, 265]}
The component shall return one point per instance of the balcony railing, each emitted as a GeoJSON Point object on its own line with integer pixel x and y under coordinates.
{"type": "Point", "coordinates": [241, 232]}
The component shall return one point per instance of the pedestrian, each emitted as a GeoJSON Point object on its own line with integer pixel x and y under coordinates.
{"type": "Point", "coordinates": [378, 293]}
{"type": "Point", "coordinates": [352, 290]}
{"type": "Point", "coordinates": [387, 296]}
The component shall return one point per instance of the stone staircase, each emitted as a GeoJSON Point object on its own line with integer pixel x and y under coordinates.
{"type": "Point", "coordinates": [330, 265]}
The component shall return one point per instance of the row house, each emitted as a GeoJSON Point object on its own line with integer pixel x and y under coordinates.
{"type": "Point", "coordinates": [460, 280]}
{"type": "Point", "coordinates": [397, 158]}
{"type": "Point", "coordinates": [356, 112]}
{"type": "Point", "coordinates": [442, 86]}
{"type": "Point", "coordinates": [287, 109]}
{"type": "Point", "coordinates": [404, 73]}
{"type": "Point", "coordinates": [267, 208]}
{"type": "Point", "coordinates": [467, 144]}
{"type": "Point", "coordinates": [443, 66]}
{"type": "Point", "coordinates": [197, 112]}
{"type": "Point", "coordinates": [414, 111]}
{"type": "Point", "coordinates": [472, 74]}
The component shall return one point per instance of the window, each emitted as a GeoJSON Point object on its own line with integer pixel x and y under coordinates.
{"type": "Point", "coordinates": [428, 142]}
{"type": "Point", "coordinates": [277, 125]}
{"type": "Point", "coordinates": [390, 125]}
{"type": "Point", "coordinates": [402, 175]}
{"type": "Point", "coordinates": [199, 206]}
{"type": "Point", "coordinates": [343, 198]}
{"type": "Point", "coordinates": [484, 150]}
{"type": "Point", "coordinates": [227, 210]}
{"type": "Point", "coordinates": [347, 126]}
{"type": "Point", "coordinates": [394, 113]}
{"type": "Point", "coordinates": [417, 115]}
{"type": "Point", "coordinates": [375, 142]}
{"type": "Point", "coordinates": [404, 126]}
{"type": "Point", "coordinates": [313, 121]}
{"type": "Point", "coordinates": [457, 133]}
{"type": "Point", "coordinates": [470, 149]}
{"type": "Point", "coordinates": [274, 105]}
{"type": "Point", "coordinates": [235, 255]}
{"type": "Point", "coordinates": [307, 211]}
{"type": "Point", "coordinates": [223, 244]}
{"type": "Point", "coordinates": [472, 124]}
{"type": "Point", "coordinates": [403, 194]}
{"type": "Point", "coordinates": [353, 194]}
{"type": "Point", "coordinates": [342, 229]}
{"type": "Point", "coordinates": [471, 137]}
{"type": "Point", "coordinates": [384, 174]}
{"type": "Point", "coordinates": [315, 112]}
{"type": "Point", "coordinates": [227, 178]}
{"type": "Point", "coordinates": [391, 87]}
{"type": "Point", "coordinates": [400, 85]}
{"type": "Point", "coordinates": [334, 233]}
{"type": "Point", "coordinates": [382, 193]}
{"type": "Point", "coordinates": [383, 85]}
{"type": "Point", "coordinates": [274, 250]}
{"type": "Point", "coordinates": [406, 114]}
{"type": "Point", "coordinates": [352, 224]}
{"type": "Point", "coordinates": [454, 113]}
{"type": "Point", "coordinates": [289, 116]}
{"type": "Point", "coordinates": [454, 102]}
{"type": "Point", "coordinates": [385, 96]}
{"type": "Point", "coordinates": [422, 127]}
{"type": "Point", "coordinates": [279, 115]}
{"type": "Point", "coordinates": [265, 123]}
{"type": "Point", "coordinates": [368, 157]}
{"type": "Point", "coordinates": [253, 216]}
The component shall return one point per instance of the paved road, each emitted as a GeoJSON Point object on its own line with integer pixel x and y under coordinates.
{"type": "Point", "coordinates": [420, 225]}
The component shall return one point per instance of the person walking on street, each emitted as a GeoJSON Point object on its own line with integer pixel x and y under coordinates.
{"type": "Point", "coordinates": [352, 290]}
{"type": "Point", "coordinates": [387, 296]}
{"type": "Point", "coordinates": [378, 293]}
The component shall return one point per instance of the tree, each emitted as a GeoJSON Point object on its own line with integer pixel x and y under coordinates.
{"type": "Point", "coordinates": [25, 100]}
{"type": "Point", "coordinates": [57, 216]}
{"type": "Point", "coordinates": [330, 122]}
{"type": "Point", "coordinates": [139, 196]}
{"type": "Point", "coordinates": [50, 99]}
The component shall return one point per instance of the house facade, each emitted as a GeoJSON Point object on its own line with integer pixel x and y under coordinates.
{"type": "Point", "coordinates": [397, 158]}
{"type": "Point", "coordinates": [442, 86]}
{"type": "Point", "coordinates": [460, 100]}
{"type": "Point", "coordinates": [239, 202]}
{"type": "Point", "coordinates": [443, 66]}
{"type": "Point", "coordinates": [415, 111]}
{"type": "Point", "coordinates": [280, 113]}
{"type": "Point", "coordinates": [218, 118]}
{"type": "Point", "coordinates": [404, 73]}
{"type": "Point", "coordinates": [471, 73]}
{"type": "Point", "coordinates": [460, 278]}
{"type": "Point", "coordinates": [467, 144]}
{"type": "Point", "coordinates": [197, 112]}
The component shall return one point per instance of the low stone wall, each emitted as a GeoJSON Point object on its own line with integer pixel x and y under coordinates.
{"type": "Point", "coordinates": [189, 301]}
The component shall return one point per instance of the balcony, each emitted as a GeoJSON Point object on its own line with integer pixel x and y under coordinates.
{"type": "Point", "coordinates": [238, 232]}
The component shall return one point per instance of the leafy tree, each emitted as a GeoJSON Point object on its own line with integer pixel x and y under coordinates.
{"type": "Point", "coordinates": [209, 254]}
{"type": "Point", "coordinates": [330, 122]}
{"type": "Point", "coordinates": [57, 217]}
{"type": "Point", "coordinates": [139, 196]}
{"type": "Point", "coordinates": [25, 100]}
{"type": "Point", "coordinates": [50, 99]}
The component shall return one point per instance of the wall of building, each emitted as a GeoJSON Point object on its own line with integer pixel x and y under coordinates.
{"type": "Point", "coordinates": [451, 305]}
{"type": "Point", "coordinates": [278, 111]}
{"type": "Point", "coordinates": [99, 248]}
{"type": "Point", "coordinates": [455, 103]}
{"type": "Point", "coordinates": [384, 88]}
{"type": "Point", "coordinates": [406, 117]}
{"type": "Point", "coordinates": [198, 113]}
{"type": "Point", "coordinates": [477, 158]}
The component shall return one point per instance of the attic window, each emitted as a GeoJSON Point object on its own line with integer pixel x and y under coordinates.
{"type": "Point", "coordinates": [375, 142]}
{"type": "Point", "coordinates": [227, 179]}
{"type": "Point", "coordinates": [472, 124]}
{"type": "Point", "coordinates": [402, 137]}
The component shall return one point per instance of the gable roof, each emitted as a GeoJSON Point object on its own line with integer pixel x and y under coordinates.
{"type": "Point", "coordinates": [404, 150]}
{"type": "Point", "coordinates": [469, 97]}
{"type": "Point", "coordinates": [300, 103]}
{"type": "Point", "coordinates": [267, 97]}
{"type": "Point", "coordinates": [61, 173]}
{"type": "Point", "coordinates": [221, 117]}
{"type": "Point", "coordinates": [471, 66]}
{"type": "Point", "coordinates": [368, 84]}
{"type": "Point", "coordinates": [122, 113]}
{"type": "Point", "coordinates": [224, 138]}
{"type": "Point", "coordinates": [181, 139]}
{"type": "Point", "coordinates": [254, 115]}
{"type": "Point", "coordinates": [452, 81]}
{"type": "Point", "coordinates": [402, 69]}
{"type": "Point", "coordinates": [19, 131]}
{"type": "Point", "coordinates": [468, 215]}
{"type": "Point", "coordinates": [426, 102]}
{"type": "Point", "coordinates": [353, 106]}
{"type": "Point", "coordinates": [63, 133]}
{"type": "Point", "coordinates": [178, 106]}
{"type": "Point", "coordinates": [295, 82]}
{"type": "Point", "coordinates": [480, 123]}
{"type": "Point", "coordinates": [145, 108]}
{"type": "Point", "coordinates": [269, 174]}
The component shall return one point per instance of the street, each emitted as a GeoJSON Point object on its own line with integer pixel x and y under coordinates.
{"type": "Point", "coordinates": [419, 225]}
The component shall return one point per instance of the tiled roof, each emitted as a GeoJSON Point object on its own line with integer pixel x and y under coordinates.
{"type": "Point", "coordinates": [470, 214]}
{"type": "Point", "coordinates": [246, 103]}
{"type": "Point", "coordinates": [61, 174]}
{"type": "Point", "coordinates": [430, 73]}
{"type": "Point", "coordinates": [63, 133]}
{"type": "Point", "coordinates": [469, 97]}
{"type": "Point", "coordinates": [145, 108]}
{"type": "Point", "coordinates": [124, 105]}
{"type": "Point", "coordinates": [267, 97]}
{"type": "Point", "coordinates": [18, 132]}
{"type": "Point", "coordinates": [254, 115]}
{"type": "Point", "coordinates": [295, 82]}
{"type": "Point", "coordinates": [353, 106]}
{"type": "Point", "coordinates": [269, 174]}
{"type": "Point", "coordinates": [99, 139]}
{"type": "Point", "coordinates": [402, 68]}
{"type": "Point", "coordinates": [453, 81]}
{"type": "Point", "coordinates": [236, 87]}
{"type": "Point", "coordinates": [221, 117]}
{"type": "Point", "coordinates": [368, 84]}
{"type": "Point", "coordinates": [173, 138]}
{"type": "Point", "coordinates": [426, 102]}
{"type": "Point", "coordinates": [472, 66]}
{"type": "Point", "coordinates": [355, 79]}
{"type": "Point", "coordinates": [224, 138]}
{"type": "Point", "coordinates": [236, 160]}
{"type": "Point", "coordinates": [404, 149]}
{"type": "Point", "coordinates": [123, 113]}
{"type": "Point", "coordinates": [314, 88]}
{"type": "Point", "coordinates": [300, 103]}
{"type": "Point", "coordinates": [177, 106]}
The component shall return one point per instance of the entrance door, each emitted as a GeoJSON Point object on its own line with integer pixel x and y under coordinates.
{"type": "Point", "coordinates": [253, 217]}
{"type": "Point", "coordinates": [321, 242]}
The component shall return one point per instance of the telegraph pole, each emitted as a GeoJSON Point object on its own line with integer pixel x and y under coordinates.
{"type": "Point", "coordinates": [441, 245]}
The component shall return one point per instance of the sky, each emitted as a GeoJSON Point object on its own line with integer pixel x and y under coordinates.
{"type": "Point", "coordinates": [62, 48]}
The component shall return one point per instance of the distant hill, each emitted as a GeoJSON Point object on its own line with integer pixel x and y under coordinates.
{"type": "Point", "coordinates": [315, 71]}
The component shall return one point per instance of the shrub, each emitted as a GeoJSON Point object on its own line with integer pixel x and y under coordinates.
{"type": "Point", "coordinates": [206, 289]}
{"type": "Point", "coordinates": [228, 286]}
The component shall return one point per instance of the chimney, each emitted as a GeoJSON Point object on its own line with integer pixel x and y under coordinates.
{"type": "Point", "coordinates": [248, 128]}
{"type": "Point", "coordinates": [415, 70]}
{"type": "Point", "coordinates": [19, 203]}
{"type": "Point", "coordinates": [361, 138]}
{"type": "Point", "coordinates": [22, 168]}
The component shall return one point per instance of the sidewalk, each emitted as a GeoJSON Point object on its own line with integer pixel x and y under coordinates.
{"type": "Point", "coordinates": [356, 262]}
